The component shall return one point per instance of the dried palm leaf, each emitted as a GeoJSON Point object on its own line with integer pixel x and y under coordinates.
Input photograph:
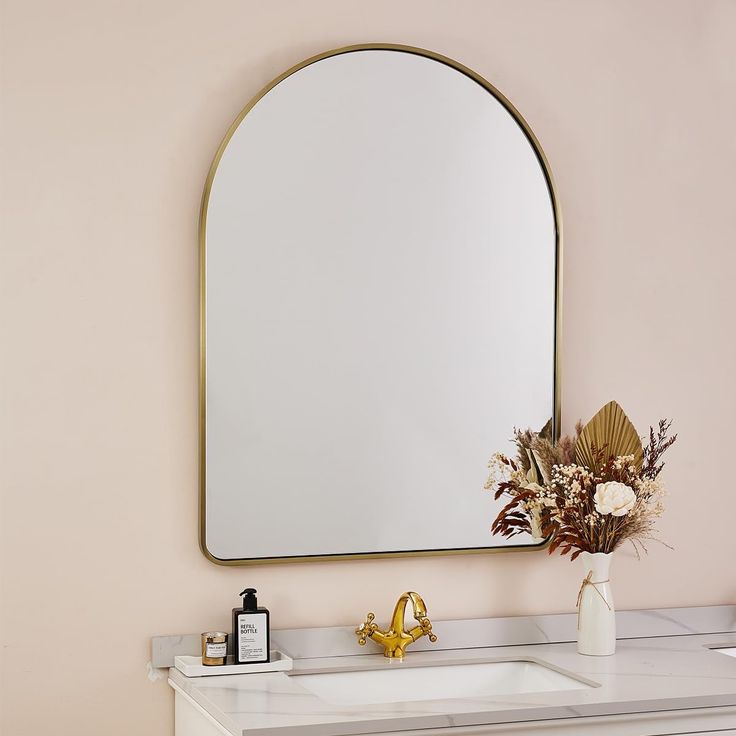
{"type": "Point", "coordinates": [546, 431]}
{"type": "Point", "coordinates": [534, 474]}
{"type": "Point", "coordinates": [608, 434]}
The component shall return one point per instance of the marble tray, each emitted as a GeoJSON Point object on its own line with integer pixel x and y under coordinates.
{"type": "Point", "coordinates": [193, 667]}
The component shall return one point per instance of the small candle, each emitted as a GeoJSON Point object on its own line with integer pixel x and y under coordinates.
{"type": "Point", "coordinates": [214, 647]}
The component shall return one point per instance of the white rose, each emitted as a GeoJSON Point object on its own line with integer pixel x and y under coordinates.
{"type": "Point", "coordinates": [614, 498]}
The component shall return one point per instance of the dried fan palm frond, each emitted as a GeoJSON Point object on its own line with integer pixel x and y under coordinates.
{"type": "Point", "coordinates": [609, 433]}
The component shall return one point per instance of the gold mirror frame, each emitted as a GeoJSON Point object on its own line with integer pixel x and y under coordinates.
{"type": "Point", "coordinates": [203, 317]}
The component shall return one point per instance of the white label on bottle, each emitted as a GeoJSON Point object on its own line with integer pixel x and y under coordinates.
{"type": "Point", "coordinates": [252, 637]}
{"type": "Point", "coordinates": [216, 649]}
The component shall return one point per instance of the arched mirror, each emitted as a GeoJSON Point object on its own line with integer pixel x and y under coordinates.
{"type": "Point", "coordinates": [380, 257]}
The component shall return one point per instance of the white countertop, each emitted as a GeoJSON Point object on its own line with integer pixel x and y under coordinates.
{"type": "Point", "coordinates": [645, 674]}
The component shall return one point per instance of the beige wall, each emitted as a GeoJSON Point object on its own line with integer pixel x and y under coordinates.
{"type": "Point", "coordinates": [111, 113]}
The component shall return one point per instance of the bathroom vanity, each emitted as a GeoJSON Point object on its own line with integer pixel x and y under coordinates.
{"type": "Point", "coordinates": [674, 673]}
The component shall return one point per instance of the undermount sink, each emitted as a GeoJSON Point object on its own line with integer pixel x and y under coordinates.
{"type": "Point", "coordinates": [403, 682]}
{"type": "Point", "coordinates": [730, 651]}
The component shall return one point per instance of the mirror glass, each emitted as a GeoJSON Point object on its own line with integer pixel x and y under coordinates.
{"type": "Point", "coordinates": [379, 242]}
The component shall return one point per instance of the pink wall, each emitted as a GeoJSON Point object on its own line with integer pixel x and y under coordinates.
{"type": "Point", "coordinates": [111, 114]}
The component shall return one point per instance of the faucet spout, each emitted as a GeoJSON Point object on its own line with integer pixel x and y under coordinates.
{"type": "Point", "coordinates": [418, 609]}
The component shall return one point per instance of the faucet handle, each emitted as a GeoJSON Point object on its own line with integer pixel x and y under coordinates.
{"type": "Point", "coordinates": [366, 629]}
{"type": "Point", "coordinates": [426, 625]}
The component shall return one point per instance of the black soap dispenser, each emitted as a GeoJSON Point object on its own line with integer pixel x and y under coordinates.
{"type": "Point", "coordinates": [251, 631]}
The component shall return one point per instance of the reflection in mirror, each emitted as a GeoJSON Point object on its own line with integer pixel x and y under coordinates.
{"type": "Point", "coordinates": [380, 240]}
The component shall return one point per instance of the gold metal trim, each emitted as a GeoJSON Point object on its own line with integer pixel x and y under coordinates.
{"type": "Point", "coordinates": [203, 304]}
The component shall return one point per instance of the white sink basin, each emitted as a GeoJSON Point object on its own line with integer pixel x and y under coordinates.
{"type": "Point", "coordinates": [730, 651]}
{"type": "Point", "coordinates": [402, 682]}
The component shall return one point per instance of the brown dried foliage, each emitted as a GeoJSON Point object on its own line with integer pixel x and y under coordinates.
{"type": "Point", "coordinates": [656, 447]}
{"type": "Point", "coordinates": [568, 526]}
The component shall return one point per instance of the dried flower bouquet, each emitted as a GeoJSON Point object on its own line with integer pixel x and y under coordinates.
{"type": "Point", "coordinates": [590, 491]}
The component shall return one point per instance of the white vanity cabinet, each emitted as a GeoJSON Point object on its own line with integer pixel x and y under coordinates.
{"type": "Point", "coordinates": [192, 720]}
{"type": "Point", "coordinates": [668, 723]}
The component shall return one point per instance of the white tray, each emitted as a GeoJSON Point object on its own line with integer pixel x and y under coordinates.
{"type": "Point", "coordinates": [193, 667]}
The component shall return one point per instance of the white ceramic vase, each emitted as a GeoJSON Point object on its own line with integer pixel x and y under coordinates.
{"type": "Point", "coordinates": [596, 614]}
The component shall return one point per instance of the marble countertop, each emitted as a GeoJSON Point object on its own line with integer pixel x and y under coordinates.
{"type": "Point", "coordinates": [646, 674]}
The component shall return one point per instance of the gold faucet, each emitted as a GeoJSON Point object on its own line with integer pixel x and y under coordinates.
{"type": "Point", "coordinates": [397, 638]}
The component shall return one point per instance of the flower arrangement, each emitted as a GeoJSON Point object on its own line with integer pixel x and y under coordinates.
{"type": "Point", "coordinates": [588, 492]}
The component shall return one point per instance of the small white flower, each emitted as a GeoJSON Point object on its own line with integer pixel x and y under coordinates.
{"type": "Point", "coordinates": [614, 498]}
{"type": "Point", "coordinates": [498, 471]}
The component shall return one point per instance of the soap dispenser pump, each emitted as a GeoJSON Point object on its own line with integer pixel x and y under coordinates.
{"type": "Point", "coordinates": [251, 631]}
